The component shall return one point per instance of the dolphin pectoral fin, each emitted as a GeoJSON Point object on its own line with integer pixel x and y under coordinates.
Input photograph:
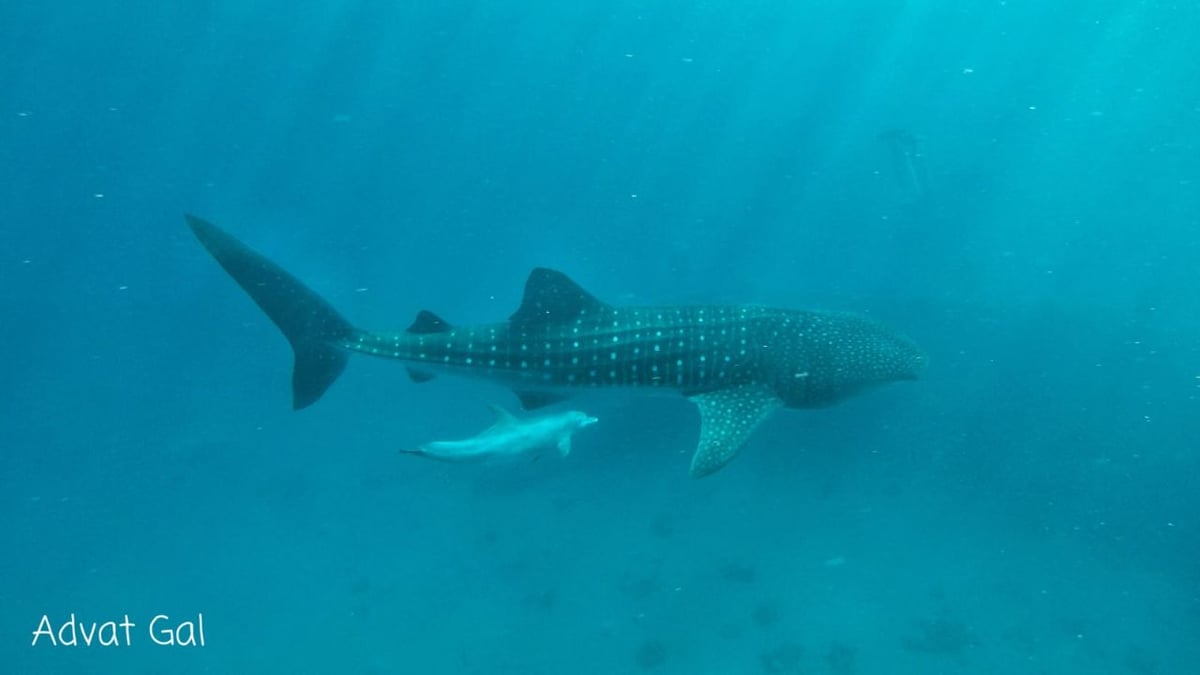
{"type": "Point", "coordinates": [727, 418]}
{"type": "Point", "coordinates": [564, 446]}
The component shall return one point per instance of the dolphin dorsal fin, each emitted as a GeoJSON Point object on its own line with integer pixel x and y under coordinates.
{"type": "Point", "coordinates": [503, 417]}
{"type": "Point", "coordinates": [551, 297]}
{"type": "Point", "coordinates": [428, 322]}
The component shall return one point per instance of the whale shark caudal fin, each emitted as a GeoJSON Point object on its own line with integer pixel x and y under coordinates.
{"type": "Point", "coordinates": [311, 325]}
{"type": "Point", "coordinates": [727, 418]}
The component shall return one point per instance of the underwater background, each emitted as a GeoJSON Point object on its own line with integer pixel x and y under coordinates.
{"type": "Point", "coordinates": [1015, 185]}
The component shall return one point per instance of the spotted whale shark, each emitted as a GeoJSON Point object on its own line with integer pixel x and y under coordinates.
{"type": "Point", "coordinates": [510, 438]}
{"type": "Point", "coordinates": [737, 363]}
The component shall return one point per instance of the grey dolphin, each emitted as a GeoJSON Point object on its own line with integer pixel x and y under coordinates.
{"type": "Point", "coordinates": [511, 438]}
{"type": "Point", "coordinates": [737, 363]}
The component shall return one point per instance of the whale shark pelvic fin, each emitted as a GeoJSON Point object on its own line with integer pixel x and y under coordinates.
{"type": "Point", "coordinates": [727, 418]}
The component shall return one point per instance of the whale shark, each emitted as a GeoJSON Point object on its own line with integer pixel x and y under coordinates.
{"type": "Point", "coordinates": [737, 363]}
{"type": "Point", "coordinates": [511, 438]}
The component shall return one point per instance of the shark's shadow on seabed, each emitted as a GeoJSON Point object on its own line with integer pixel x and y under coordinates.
{"type": "Point", "coordinates": [737, 363]}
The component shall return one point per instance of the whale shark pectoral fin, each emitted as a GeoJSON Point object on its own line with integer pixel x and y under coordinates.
{"type": "Point", "coordinates": [564, 446]}
{"type": "Point", "coordinates": [727, 418]}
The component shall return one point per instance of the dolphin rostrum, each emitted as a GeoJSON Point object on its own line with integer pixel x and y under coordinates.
{"type": "Point", "coordinates": [511, 438]}
{"type": "Point", "coordinates": [737, 363]}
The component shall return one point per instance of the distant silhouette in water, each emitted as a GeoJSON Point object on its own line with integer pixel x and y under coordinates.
{"type": "Point", "coordinates": [908, 167]}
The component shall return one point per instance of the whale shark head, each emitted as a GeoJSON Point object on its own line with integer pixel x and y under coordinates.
{"type": "Point", "coordinates": [838, 355]}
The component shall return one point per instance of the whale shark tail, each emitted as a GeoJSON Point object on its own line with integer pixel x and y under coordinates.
{"type": "Point", "coordinates": [312, 326]}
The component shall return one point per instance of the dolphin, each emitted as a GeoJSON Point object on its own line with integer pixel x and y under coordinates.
{"type": "Point", "coordinates": [510, 438]}
{"type": "Point", "coordinates": [737, 363]}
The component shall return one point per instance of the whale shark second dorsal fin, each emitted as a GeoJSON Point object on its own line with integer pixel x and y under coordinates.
{"type": "Point", "coordinates": [551, 297]}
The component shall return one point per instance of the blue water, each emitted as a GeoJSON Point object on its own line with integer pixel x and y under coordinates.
{"type": "Point", "coordinates": [1030, 506]}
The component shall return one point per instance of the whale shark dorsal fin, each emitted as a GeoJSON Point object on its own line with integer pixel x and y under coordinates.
{"type": "Point", "coordinates": [727, 418]}
{"type": "Point", "coordinates": [551, 297]}
{"type": "Point", "coordinates": [428, 322]}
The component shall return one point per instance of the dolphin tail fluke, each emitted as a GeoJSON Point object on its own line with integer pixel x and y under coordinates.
{"type": "Point", "coordinates": [312, 326]}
